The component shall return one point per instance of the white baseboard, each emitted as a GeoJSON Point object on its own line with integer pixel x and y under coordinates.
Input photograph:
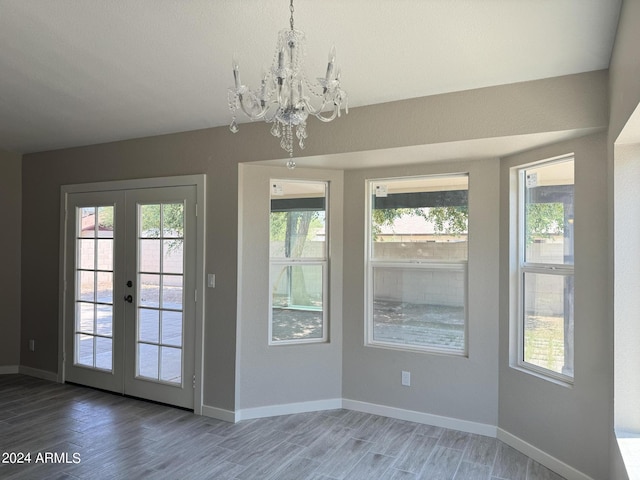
{"type": "Point", "coordinates": [43, 374]}
{"type": "Point", "coordinates": [9, 369]}
{"type": "Point", "coordinates": [288, 409]}
{"type": "Point", "coordinates": [420, 417]}
{"type": "Point", "coordinates": [542, 457]}
{"type": "Point", "coordinates": [219, 413]}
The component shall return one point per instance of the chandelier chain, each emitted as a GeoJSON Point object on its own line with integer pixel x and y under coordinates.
{"type": "Point", "coordinates": [291, 10]}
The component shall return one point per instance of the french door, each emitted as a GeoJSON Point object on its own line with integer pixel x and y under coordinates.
{"type": "Point", "coordinates": [130, 292]}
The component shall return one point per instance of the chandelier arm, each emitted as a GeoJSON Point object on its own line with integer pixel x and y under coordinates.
{"type": "Point", "coordinates": [313, 110]}
{"type": "Point", "coordinates": [258, 116]}
{"type": "Point", "coordinates": [334, 114]}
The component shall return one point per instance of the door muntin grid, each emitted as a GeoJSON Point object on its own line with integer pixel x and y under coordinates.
{"type": "Point", "coordinates": [160, 299]}
{"type": "Point", "coordinates": [94, 273]}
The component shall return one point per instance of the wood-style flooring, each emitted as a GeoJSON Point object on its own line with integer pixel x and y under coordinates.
{"type": "Point", "coordinates": [114, 437]}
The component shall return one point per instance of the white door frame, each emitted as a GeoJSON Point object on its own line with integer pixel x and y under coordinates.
{"type": "Point", "coordinates": [199, 181]}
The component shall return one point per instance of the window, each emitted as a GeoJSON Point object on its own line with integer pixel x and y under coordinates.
{"type": "Point", "coordinates": [545, 270]}
{"type": "Point", "coordinates": [298, 252]}
{"type": "Point", "coordinates": [417, 263]}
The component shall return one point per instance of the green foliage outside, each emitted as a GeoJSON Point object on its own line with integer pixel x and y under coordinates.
{"type": "Point", "coordinates": [172, 217]}
{"type": "Point", "coordinates": [544, 220]}
{"type": "Point", "coordinates": [447, 220]}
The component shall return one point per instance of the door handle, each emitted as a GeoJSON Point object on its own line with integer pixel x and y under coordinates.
{"type": "Point", "coordinates": [128, 298]}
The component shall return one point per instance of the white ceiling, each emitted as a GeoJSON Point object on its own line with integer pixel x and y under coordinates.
{"type": "Point", "coordinates": [79, 72]}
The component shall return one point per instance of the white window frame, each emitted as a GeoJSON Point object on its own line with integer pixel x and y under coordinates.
{"type": "Point", "coordinates": [299, 262]}
{"type": "Point", "coordinates": [524, 267]}
{"type": "Point", "coordinates": [421, 264]}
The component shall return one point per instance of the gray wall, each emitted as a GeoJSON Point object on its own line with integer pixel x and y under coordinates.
{"type": "Point", "coordinates": [576, 102]}
{"type": "Point", "coordinates": [570, 423]}
{"type": "Point", "coordinates": [10, 203]}
{"type": "Point", "coordinates": [450, 386]}
{"type": "Point", "coordinates": [624, 94]}
{"type": "Point", "coordinates": [283, 374]}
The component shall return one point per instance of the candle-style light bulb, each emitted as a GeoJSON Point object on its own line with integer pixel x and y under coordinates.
{"type": "Point", "coordinates": [332, 59]}
{"type": "Point", "coordinates": [236, 72]}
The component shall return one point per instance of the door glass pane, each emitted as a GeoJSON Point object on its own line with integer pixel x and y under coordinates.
{"type": "Point", "coordinates": [160, 308]}
{"type": "Point", "coordinates": [94, 287]}
{"type": "Point", "coordinates": [171, 366]}
{"type": "Point", "coordinates": [105, 222]}
{"type": "Point", "coordinates": [86, 254]}
{"type": "Point", "coordinates": [148, 360]}
{"type": "Point", "coordinates": [172, 256]}
{"type": "Point", "coordinates": [104, 355]}
{"type": "Point", "coordinates": [104, 293]}
{"type": "Point", "coordinates": [149, 221]}
{"type": "Point", "coordinates": [172, 292]}
{"type": "Point", "coordinates": [86, 284]}
{"type": "Point", "coordinates": [149, 325]}
{"type": "Point", "coordinates": [85, 318]}
{"type": "Point", "coordinates": [84, 350]}
{"type": "Point", "coordinates": [87, 222]}
{"type": "Point", "coordinates": [150, 256]}
{"type": "Point", "coordinates": [172, 328]}
{"type": "Point", "coordinates": [172, 220]}
{"type": "Point", "coordinates": [149, 290]}
{"type": "Point", "coordinates": [105, 320]}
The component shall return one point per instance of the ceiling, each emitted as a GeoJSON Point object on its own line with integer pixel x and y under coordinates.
{"type": "Point", "coordinates": [76, 73]}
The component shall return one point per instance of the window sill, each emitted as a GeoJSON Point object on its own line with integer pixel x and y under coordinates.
{"type": "Point", "coordinates": [416, 349]}
{"type": "Point", "coordinates": [551, 379]}
{"type": "Point", "coordinates": [629, 444]}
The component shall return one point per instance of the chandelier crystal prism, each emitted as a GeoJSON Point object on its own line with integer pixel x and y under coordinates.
{"type": "Point", "coordinates": [286, 96]}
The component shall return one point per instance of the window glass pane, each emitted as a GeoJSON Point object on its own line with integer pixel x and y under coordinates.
{"type": "Point", "coordinates": [419, 306]}
{"type": "Point", "coordinates": [297, 310]}
{"type": "Point", "coordinates": [420, 218]}
{"type": "Point", "coordinates": [297, 222]}
{"type": "Point", "coordinates": [548, 196]}
{"type": "Point", "coordinates": [548, 321]}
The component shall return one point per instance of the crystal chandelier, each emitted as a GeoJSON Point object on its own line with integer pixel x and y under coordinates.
{"type": "Point", "coordinates": [286, 97]}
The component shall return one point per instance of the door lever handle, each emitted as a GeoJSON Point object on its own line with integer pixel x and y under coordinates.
{"type": "Point", "coordinates": [128, 298]}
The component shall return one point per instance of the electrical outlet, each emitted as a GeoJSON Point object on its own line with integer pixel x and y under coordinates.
{"type": "Point", "coordinates": [406, 379]}
{"type": "Point", "coordinates": [32, 345]}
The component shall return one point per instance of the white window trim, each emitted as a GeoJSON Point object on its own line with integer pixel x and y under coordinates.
{"type": "Point", "coordinates": [426, 265]}
{"type": "Point", "coordinates": [323, 261]}
{"type": "Point", "coordinates": [523, 267]}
